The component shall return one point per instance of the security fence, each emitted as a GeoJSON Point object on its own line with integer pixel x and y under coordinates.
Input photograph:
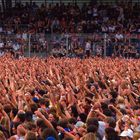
{"type": "Point", "coordinates": [71, 45]}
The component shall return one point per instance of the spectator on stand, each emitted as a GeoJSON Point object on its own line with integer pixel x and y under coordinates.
{"type": "Point", "coordinates": [88, 48]}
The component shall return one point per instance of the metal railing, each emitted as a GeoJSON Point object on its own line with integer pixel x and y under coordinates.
{"type": "Point", "coordinates": [70, 45]}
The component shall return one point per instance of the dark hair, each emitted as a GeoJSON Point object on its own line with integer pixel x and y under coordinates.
{"type": "Point", "coordinates": [72, 121]}
{"type": "Point", "coordinates": [87, 108]}
{"type": "Point", "coordinates": [123, 111]}
{"type": "Point", "coordinates": [49, 132]}
{"type": "Point", "coordinates": [101, 84]}
{"type": "Point", "coordinates": [21, 116]}
{"type": "Point", "coordinates": [139, 99]}
{"type": "Point", "coordinates": [46, 83]}
{"type": "Point", "coordinates": [104, 106]}
{"type": "Point", "coordinates": [28, 116]}
{"type": "Point", "coordinates": [74, 111]}
{"type": "Point", "coordinates": [83, 117]}
{"type": "Point", "coordinates": [32, 92]}
{"type": "Point", "coordinates": [14, 111]}
{"type": "Point", "coordinates": [7, 108]}
{"type": "Point", "coordinates": [54, 124]}
{"type": "Point", "coordinates": [107, 112]}
{"type": "Point", "coordinates": [42, 92]}
{"type": "Point", "coordinates": [92, 129]}
{"type": "Point", "coordinates": [90, 95]}
{"type": "Point", "coordinates": [111, 134]}
{"type": "Point", "coordinates": [63, 123]}
{"type": "Point", "coordinates": [136, 107]}
{"type": "Point", "coordinates": [93, 121]}
{"type": "Point", "coordinates": [47, 103]}
{"type": "Point", "coordinates": [34, 107]}
{"type": "Point", "coordinates": [112, 101]}
{"type": "Point", "coordinates": [40, 123]}
{"type": "Point", "coordinates": [76, 90]}
{"type": "Point", "coordinates": [114, 94]}
{"type": "Point", "coordinates": [42, 101]}
{"type": "Point", "coordinates": [111, 121]}
{"type": "Point", "coordinates": [90, 80]}
{"type": "Point", "coordinates": [16, 124]}
{"type": "Point", "coordinates": [64, 84]}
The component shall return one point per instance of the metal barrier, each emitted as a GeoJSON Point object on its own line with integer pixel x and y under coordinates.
{"type": "Point", "coordinates": [71, 45]}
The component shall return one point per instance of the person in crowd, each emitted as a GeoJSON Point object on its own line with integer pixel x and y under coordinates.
{"type": "Point", "coordinates": [119, 19]}
{"type": "Point", "coordinates": [88, 48]}
{"type": "Point", "coordinates": [69, 98]}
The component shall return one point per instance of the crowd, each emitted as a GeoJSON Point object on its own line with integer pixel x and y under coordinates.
{"type": "Point", "coordinates": [71, 18]}
{"type": "Point", "coordinates": [69, 98]}
{"type": "Point", "coordinates": [118, 20]}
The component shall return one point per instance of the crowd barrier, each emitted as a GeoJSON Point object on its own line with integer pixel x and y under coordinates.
{"type": "Point", "coordinates": [71, 45]}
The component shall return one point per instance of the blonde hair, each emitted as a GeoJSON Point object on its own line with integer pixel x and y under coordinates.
{"type": "Point", "coordinates": [89, 136]}
{"type": "Point", "coordinates": [2, 137]}
{"type": "Point", "coordinates": [136, 136]}
{"type": "Point", "coordinates": [120, 99]}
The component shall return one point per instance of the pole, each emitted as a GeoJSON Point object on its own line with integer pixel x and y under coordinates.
{"type": "Point", "coordinates": [105, 39]}
{"type": "Point", "coordinates": [67, 41]}
{"type": "Point", "coordinates": [29, 45]}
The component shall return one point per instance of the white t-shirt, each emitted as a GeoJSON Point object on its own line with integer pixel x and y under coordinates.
{"type": "Point", "coordinates": [18, 36]}
{"type": "Point", "coordinates": [41, 40]}
{"type": "Point", "coordinates": [16, 47]}
{"type": "Point", "coordinates": [111, 28]}
{"type": "Point", "coordinates": [88, 46]}
{"type": "Point", "coordinates": [9, 43]}
{"type": "Point", "coordinates": [1, 53]}
{"type": "Point", "coordinates": [104, 29]}
{"type": "Point", "coordinates": [119, 36]}
{"type": "Point", "coordinates": [1, 44]}
{"type": "Point", "coordinates": [95, 12]}
{"type": "Point", "coordinates": [99, 50]}
{"type": "Point", "coordinates": [18, 138]}
{"type": "Point", "coordinates": [24, 36]}
{"type": "Point", "coordinates": [101, 129]}
{"type": "Point", "coordinates": [9, 32]}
